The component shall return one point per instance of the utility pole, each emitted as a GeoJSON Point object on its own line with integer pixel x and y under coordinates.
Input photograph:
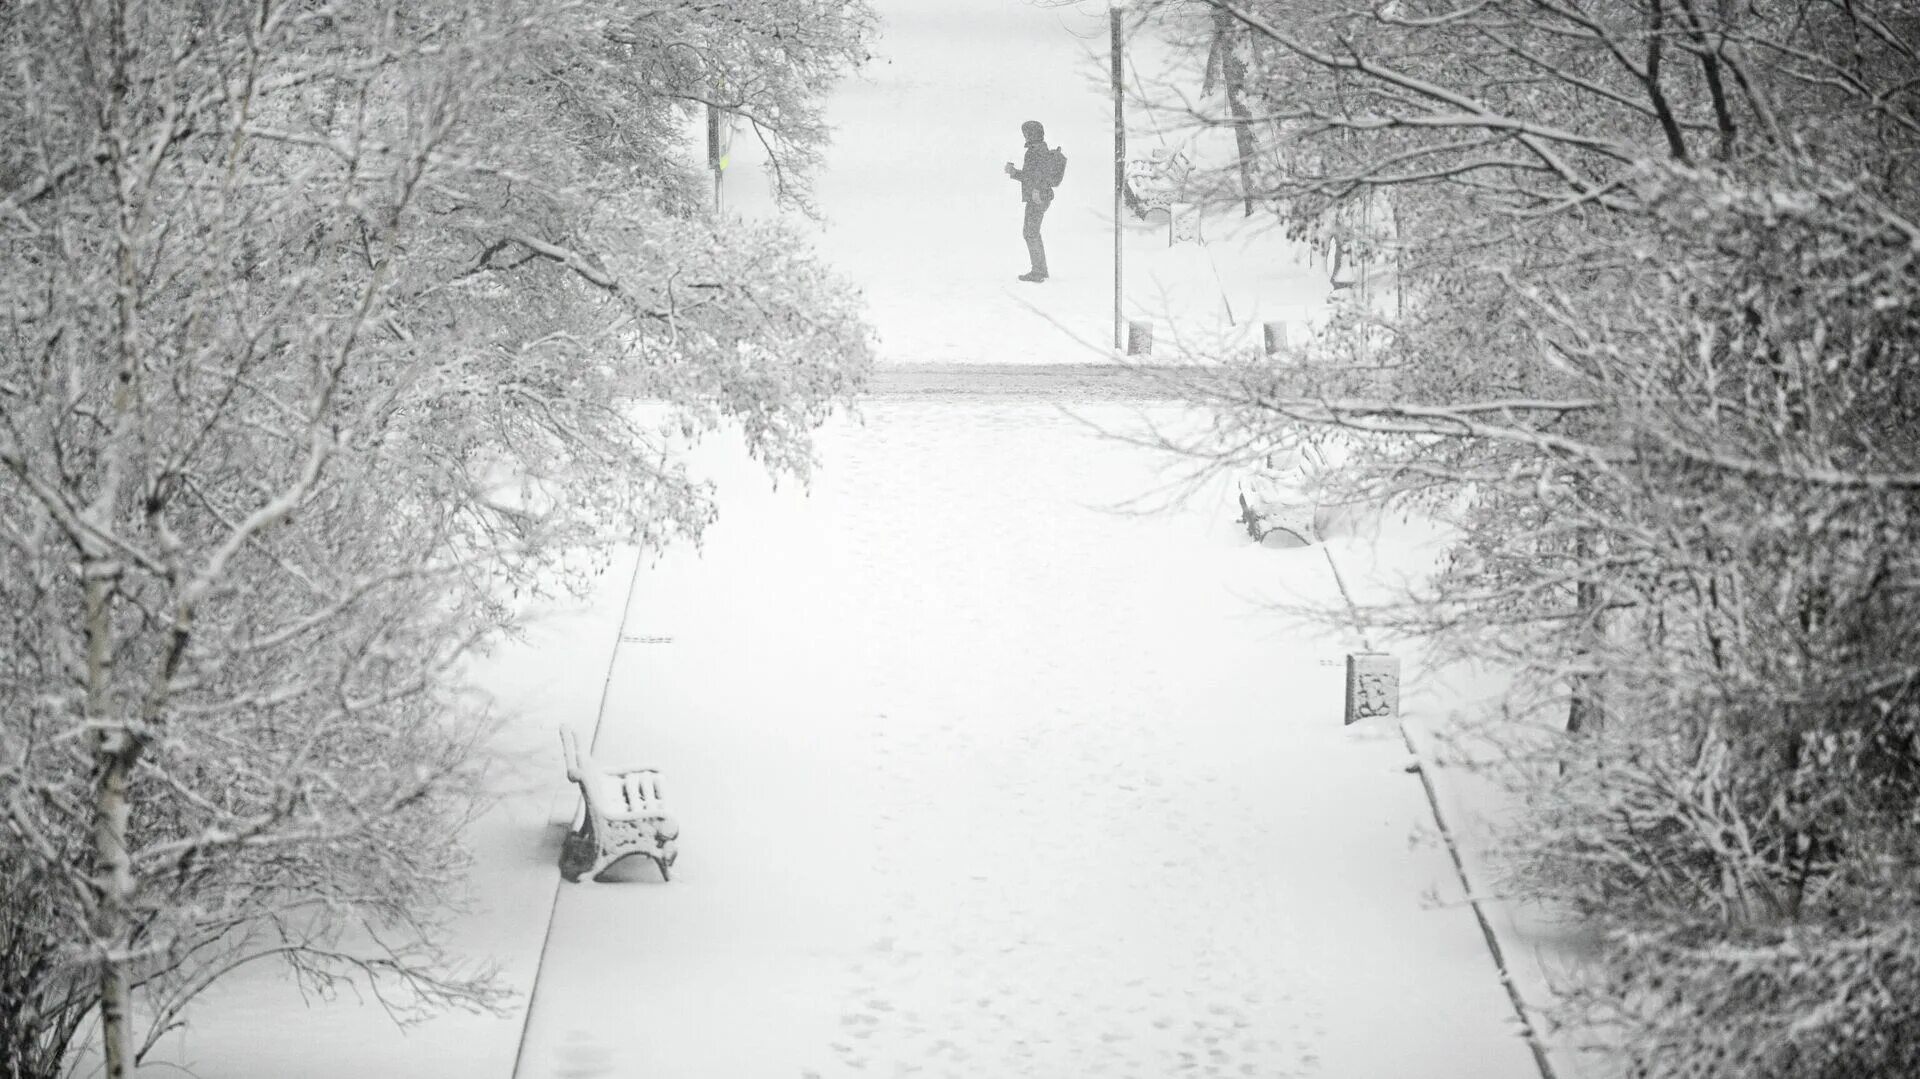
{"type": "Point", "coordinates": [1114, 16]}
{"type": "Point", "coordinates": [716, 159]}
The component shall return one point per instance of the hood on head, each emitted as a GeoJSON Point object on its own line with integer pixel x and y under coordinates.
{"type": "Point", "coordinates": [1033, 132]}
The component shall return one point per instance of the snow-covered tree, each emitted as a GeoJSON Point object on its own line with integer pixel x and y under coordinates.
{"type": "Point", "coordinates": [1656, 367]}
{"type": "Point", "coordinates": [329, 324]}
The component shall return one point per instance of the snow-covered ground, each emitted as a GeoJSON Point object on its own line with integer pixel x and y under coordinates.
{"type": "Point", "coordinates": [977, 776]}
{"type": "Point", "coordinates": [983, 775]}
{"type": "Point", "coordinates": [256, 1024]}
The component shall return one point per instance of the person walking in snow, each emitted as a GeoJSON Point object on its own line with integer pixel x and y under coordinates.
{"type": "Point", "coordinates": [1039, 173]}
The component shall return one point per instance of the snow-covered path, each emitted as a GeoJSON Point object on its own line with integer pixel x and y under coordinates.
{"type": "Point", "coordinates": [978, 777]}
{"type": "Point", "coordinates": [982, 778]}
{"type": "Point", "coordinates": [917, 212]}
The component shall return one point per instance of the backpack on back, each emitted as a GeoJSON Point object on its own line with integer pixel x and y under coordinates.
{"type": "Point", "coordinates": [1055, 167]}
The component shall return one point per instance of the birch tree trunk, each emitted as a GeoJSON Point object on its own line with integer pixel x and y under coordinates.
{"type": "Point", "coordinates": [112, 740]}
{"type": "Point", "coordinates": [113, 749]}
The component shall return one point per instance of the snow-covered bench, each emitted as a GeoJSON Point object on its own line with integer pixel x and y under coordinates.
{"type": "Point", "coordinates": [1278, 496]}
{"type": "Point", "coordinates": [620, 814]}
{"type": "Point", "coordinates": [1268, 505]}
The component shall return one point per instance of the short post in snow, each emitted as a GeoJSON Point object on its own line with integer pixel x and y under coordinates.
{"type": "Point", "coordinates": [1373, 686]}
{"type": "Point", "coordinates": [1114, 14]}
{"type": "Point", "coordinates": [1139, 338]}
{"type": "Point", "coordinates": [1275, 335]}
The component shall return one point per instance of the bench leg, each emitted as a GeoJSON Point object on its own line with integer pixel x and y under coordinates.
{"type": "Point", "coordinates": [664, 865]}
{"type": "Point", "coordinates": [577, 852]}
{"type": "Point", "coordinates": [581, 856]}
{"type": "Point", "coordinates": [604, 863]}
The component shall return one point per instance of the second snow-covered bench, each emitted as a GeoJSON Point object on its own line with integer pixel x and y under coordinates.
{"type": "Point", "coordinates": [621, 814]}
{"type": "Point", "coordinates": [1278, 494]}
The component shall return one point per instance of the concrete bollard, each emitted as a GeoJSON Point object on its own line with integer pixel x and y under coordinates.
{"type": "Point", "coordinates": [1373, 686]}
{"type": "Point", "coordinates": [1275, 334]}
{"type": "Point", "coordinates": [1139, 338]}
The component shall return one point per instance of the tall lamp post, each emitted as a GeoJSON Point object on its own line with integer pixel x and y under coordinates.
{"type": "Point", "coordinates": [716, 158]}
{"type": "Point", "coordinates": [1114, 15]}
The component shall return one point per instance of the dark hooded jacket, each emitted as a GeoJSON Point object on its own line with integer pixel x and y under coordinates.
{"type": "Point", "coordinates": [1034, 165]}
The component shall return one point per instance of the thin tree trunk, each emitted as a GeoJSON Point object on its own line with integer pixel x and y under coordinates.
{"type": "Point", "coordinates": [1656, 31]}
{"type": "Point", "coordinates": [1233, 76]}
{"type": "Point", "coordinates": [111, 737]}
{"type": "Point", "coordinates": [1243, 134]}
{"type": "Point", "coordinates": [114, 749]}
{"type": "Point", "coordinates": [1586, 711]}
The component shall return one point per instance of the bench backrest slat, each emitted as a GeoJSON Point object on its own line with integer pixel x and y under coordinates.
{"type": "Point", "coordinates": [636, 793]}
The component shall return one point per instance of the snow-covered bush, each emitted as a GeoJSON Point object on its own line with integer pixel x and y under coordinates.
{"type": "Point", "coordinates": [1658, 374]}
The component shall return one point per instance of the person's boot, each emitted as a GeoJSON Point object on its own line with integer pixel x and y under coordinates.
{"type": "Point", "coordinates": [1034, 276]}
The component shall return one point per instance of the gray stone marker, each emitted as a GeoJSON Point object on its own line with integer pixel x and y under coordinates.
{"type": "Point", "coordinates": [1373, 686]}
